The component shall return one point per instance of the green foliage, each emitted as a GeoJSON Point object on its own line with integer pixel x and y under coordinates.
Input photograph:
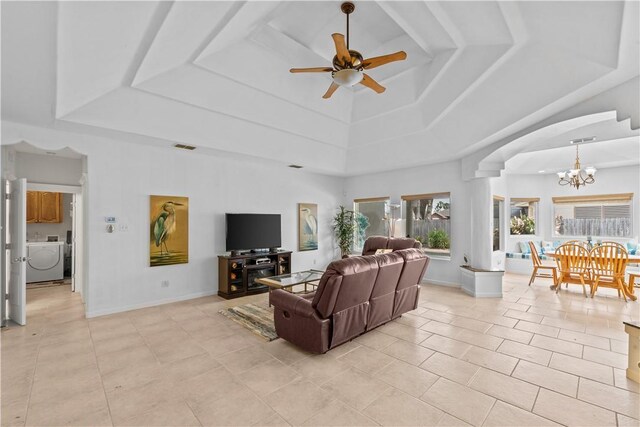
{"type": "Point", "coordinates": [344, 227]}
{"type": "Point", "coordinates": [438, 239]}
{"type": "Point", "coordinates": [362, 223]}
{"type": "Point", "coordinates": [441, 206]}
{"type": "Point", "coordinates": [523, 225]}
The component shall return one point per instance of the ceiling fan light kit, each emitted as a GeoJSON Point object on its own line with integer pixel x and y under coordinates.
{"type": "Point", "coordinates": [349, 65]}
{"type": "Point", "coordinates": [347, 77]}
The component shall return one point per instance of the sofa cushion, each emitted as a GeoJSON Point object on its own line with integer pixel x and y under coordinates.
{"type": "Point", "coordinates": [345, 283]}
{"type": "Point", "coordinates": [383, 293]}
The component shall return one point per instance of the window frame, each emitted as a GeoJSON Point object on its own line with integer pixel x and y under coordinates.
{"type": "Point", "coordinates": [386, 199]}
{"type": "Point", "coordinates": [599, 200]}
{"type": "Point", "coordinates": [536, 214]}
{"type": "Point", "coordinates": [501, 243]}
{"type": "Point", "coordinates": [405, 211]}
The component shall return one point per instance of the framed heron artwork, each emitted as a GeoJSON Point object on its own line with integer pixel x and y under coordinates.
{"type": "Point", "coordinates": [169, 230]}
{"type": "Point", "coordinates": [307, 227]}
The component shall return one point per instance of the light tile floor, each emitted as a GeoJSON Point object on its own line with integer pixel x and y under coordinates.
{"type": "Point", "coordinates": [530, 358]}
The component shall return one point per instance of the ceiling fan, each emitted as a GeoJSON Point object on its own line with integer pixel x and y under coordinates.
{"type": "Point", "coordinates": [349, 65]}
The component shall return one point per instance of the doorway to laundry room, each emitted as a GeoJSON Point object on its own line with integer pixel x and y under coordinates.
{"type": "Point", "coordinates": [49, 238]}
{"type": "Point", "coordinates": [44, 231]}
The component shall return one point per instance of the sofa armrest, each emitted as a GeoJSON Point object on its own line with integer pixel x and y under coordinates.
{"type": "Point", "coordinates": [292, 303]}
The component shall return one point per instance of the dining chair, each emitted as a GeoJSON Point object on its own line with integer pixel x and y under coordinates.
{"type": "Point", "coordinates": [608, 265]}
{"type": "Point", "coordinates": [537, 265]}
{"type": "Point", "coordinates": [573, 266]}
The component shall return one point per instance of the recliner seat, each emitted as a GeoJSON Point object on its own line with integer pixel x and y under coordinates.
{"type": "Point", "coordinates": [354, 295]}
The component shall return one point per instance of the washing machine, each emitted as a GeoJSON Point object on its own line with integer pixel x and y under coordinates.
{"type": "Point", "coordinates": [45, 261]}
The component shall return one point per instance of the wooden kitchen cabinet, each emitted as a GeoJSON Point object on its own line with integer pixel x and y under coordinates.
{"type": "Point", "coordinates": [44, 207]}
{"type": "Point", "coordinates": [33, 199]}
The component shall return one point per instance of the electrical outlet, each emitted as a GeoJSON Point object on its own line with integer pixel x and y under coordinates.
{"type": "Point", "coordinates": [124, 227]}
{"type": "Point", "coordinates": [164, 283]}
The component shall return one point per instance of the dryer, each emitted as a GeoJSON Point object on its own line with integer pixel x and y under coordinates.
{"type": "Point", "coordinates": [45, 261]}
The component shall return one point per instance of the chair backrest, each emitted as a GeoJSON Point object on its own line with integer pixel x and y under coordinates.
{"type": "Point", "coordinates": [609, 259]}
{"type": "Point", "coordinates": [577, 242]}
{"type": "Point", "coordinates": [534, 255]}
{"type": "Point", "coordinates": [572, 258]}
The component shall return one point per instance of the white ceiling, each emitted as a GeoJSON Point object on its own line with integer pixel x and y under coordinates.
{"type": "Point", "coordinates": [215, 74]}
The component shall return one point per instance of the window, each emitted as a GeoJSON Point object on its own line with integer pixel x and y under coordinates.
{"type": "Point", "coordinates": [524, 215]}
{"type": "Point", "coordinates": [602, 216]}
{"type": "Point", "coordinates": [428, 219]}
{"type": "Point", "coordinates": [498, 203]}
{"type": "Point", "coordinates": [371, 219]}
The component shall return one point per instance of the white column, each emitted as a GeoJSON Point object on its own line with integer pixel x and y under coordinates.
{"type": "Point", "coordinates": [480, 222]}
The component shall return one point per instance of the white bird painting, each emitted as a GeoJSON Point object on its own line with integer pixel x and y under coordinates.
{"type": "Point", "coordinates": [307, 227]}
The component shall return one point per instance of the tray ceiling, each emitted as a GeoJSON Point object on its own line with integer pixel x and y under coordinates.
{"type": "Point", "coordinates": [215, 74]}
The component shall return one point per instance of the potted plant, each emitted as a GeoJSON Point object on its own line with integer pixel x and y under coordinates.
{"type": "Point", "coordinates": [344, 227]}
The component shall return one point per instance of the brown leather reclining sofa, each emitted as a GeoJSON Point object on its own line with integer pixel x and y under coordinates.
{"type": "Point", "coordinates": [354, 295]}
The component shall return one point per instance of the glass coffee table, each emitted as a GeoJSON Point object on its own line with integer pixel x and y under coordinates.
{"type": "Point", "coordinates": [288, 281]}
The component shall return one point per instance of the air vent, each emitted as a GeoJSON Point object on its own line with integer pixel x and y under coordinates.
{"type": "Point", "coordinates": [185, 147]}
{"type": "Point", "coordinates": [583, 140]}
{"type": "Point", "coordinates": [296, 166]}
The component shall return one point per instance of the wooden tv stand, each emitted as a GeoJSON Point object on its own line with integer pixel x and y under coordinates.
{"type": "Point", "coordinates": [237, 273]}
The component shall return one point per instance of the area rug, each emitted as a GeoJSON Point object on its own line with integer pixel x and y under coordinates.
{"type": "Point", "coordinates": [255, 318]}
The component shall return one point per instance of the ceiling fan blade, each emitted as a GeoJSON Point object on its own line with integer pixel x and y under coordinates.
{"type": "Point", "coordinates": [330, 91]}
{"type": "Point", "coordinates": [384, 59]}
{"type": "Point", "coordinates": [311, 70]}
{"type": "Point", "coordinates": [372, 84]}
{"type": "Point", "coordinates": [341, 48]}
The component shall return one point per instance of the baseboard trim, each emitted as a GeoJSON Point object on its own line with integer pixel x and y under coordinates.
{"type": "Point", "coordinates": [440, 283]}
{"type": "Point", "coordinates": [481, 295]}
{"type": "Point", "coordinates": [104, 312]}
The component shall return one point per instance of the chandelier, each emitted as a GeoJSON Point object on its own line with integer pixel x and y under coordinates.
{"type": "Point", "coordinates": [577, 176]}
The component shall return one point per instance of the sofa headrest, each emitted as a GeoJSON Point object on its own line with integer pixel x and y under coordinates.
{"type": "Point", "coordinates": [387, 259]}
{"type": "Point", "coordinates": [398, 243]}
{"type": "Point", "coordinates": [411, 254]}
{"type": "Point", "coordinates": [373, 243]}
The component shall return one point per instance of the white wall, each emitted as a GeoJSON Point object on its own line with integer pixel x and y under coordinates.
{"type": "Point", "coordinates": [440, 178]}
{"type": "Point", "coordinates": [608, 181]}
{"type": "Point", "coordinates": [120, 178]}
{"type": "Point", "coordinates": [47, 169]}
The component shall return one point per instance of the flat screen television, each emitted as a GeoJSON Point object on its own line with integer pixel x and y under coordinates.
{"type": "Point", "coordinates": [253, 231]}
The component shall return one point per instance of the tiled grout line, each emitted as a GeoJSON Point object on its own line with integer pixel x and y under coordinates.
{"type": "Point", "coordinates": [607, 408]}
{"type": "Point", "coordinates": [104, 391]}
{"type": "Point", "coordinates": [553, 352]}
{"type": "Point", "coordinates": [193, 412]}
{"type": "Point", "coordinates": [33, 379]}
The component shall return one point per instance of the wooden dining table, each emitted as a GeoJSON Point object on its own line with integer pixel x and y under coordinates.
{"type": "Point", "coordinates": [628, 287]}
